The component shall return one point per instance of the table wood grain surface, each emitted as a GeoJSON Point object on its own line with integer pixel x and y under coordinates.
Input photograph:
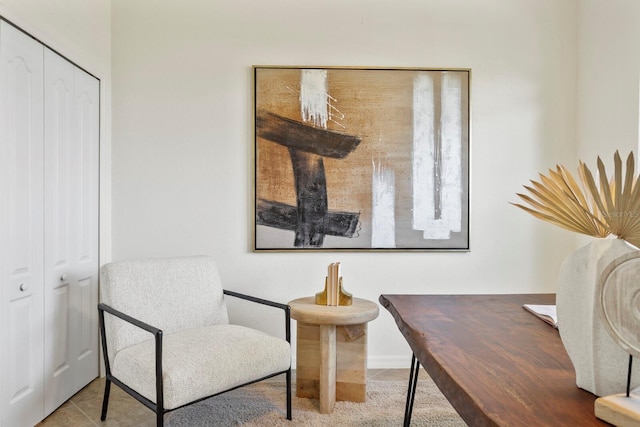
{"type": "Point", "coordinates": [496, 363]}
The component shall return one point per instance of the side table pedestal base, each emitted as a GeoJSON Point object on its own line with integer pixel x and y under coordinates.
{"type": "Point", "coordinates": [350, 362]}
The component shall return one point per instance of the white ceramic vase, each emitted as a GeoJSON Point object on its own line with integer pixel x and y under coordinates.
{"type": "Point", "coordinates": [600, 363]}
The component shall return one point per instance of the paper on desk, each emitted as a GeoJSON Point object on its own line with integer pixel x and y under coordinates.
{"type": "Point", "coordinates": [544, 312]}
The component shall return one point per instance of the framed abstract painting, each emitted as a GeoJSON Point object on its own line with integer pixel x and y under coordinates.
{"type": "Point", "coordinates": [361, 158]}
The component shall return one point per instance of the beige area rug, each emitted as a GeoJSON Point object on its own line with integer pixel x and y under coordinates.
{"type": "Point", "coordinates": [263, 404]}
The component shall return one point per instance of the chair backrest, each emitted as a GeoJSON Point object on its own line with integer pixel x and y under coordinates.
{"type": "Point", "coordinates": [172, 294]}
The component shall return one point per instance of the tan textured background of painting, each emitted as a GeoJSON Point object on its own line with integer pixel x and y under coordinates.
{"type": "Point", "coordinates": [375, 105]}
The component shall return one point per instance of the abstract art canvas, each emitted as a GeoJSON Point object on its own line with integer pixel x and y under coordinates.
{"type": "Point", "coordinates": [361, 158]}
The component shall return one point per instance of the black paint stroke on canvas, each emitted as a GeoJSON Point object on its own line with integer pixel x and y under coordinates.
{"type": "Point", "coordinates": [307, 146]}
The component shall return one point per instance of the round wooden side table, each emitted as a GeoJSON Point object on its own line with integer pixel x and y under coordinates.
{"type": "Point", "coordinates": [331, 355]}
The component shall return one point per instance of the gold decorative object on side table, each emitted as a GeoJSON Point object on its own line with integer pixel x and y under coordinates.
{"type": "Point", "coordinates": [334, 293]}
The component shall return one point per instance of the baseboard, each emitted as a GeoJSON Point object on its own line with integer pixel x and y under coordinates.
{"type": "Point", "coordinates": [389, 362]}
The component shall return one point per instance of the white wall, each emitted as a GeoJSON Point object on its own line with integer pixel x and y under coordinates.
{"type": "Point", "coordinates": [182, 135]}
{"type": "Point", "coordinates": [80, 30]}
{"type": "Point", "coordinates": [608, 79]}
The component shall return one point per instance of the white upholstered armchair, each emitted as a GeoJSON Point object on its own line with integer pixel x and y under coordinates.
{"type": "Point", "coordinates": [167, 340]}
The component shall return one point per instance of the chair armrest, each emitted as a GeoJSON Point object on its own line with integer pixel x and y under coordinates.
{"type": "Point", "coordinates": [285, 307]}
{"type": "Point", "coordinates": [255, 299]}
{"type": "Point", "coordinates": [157, 333]}
{"type": "Point", "coordinates": [140, 324]}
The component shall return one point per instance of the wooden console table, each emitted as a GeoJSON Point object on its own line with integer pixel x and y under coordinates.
{"type": "Point", "coordinates": [331, 362]}
{"type": "Point", "coordinates": [496, 363]}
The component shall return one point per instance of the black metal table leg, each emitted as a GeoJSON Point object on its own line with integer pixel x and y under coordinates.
{"type": "Point", "coordinates": [411, 392]}
{"type": "Point", "coordinates": [629, 375]}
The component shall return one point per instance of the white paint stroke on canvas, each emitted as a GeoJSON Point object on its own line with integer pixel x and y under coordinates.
{"type": "Point", "coordinates": [437, 174]}
{"type": "Point", "coordinates": [422, 156]}
{"type": "Point", "coordinates": [451, 140]}
{"type": "Point", "coordinates": [313, 97]}
{"type": "Point", "coordinates": [383, 230]}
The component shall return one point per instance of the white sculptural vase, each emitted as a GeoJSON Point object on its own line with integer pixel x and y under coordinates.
{"type": "Point", "coordinates": [601, 364]}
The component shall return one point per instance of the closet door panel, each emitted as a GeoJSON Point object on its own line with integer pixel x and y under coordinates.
{"type": "Point", "coordinates": [86, 205]}
{"type": "Point", "coordinates": [60, 169]}
{"type": "Point", "coordinates": [21, 229]}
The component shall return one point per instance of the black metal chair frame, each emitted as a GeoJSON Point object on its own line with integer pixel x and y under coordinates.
{"type": "Point", "coordinates": [158, 407]}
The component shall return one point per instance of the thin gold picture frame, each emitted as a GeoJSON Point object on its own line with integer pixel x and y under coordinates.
{"type": "Point", "coordinates": [361, 158]}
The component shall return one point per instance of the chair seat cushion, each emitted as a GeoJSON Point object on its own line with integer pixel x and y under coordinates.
{"type": "Point", "coordinates": [200, 362]}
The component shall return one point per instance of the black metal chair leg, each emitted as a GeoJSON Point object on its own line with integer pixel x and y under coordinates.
{"type": "Point", "coordinates": [629, 375]}
{"type": "Point", "coordinates": [105, 400]}
{"type": "Point", "coordinates": [411, 391]}
{"type": "Point", "coordinates": [289, 416]}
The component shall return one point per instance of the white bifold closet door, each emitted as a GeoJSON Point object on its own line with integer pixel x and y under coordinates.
{"type": "Point", "coordinates": [49, 172]}
{"type": "Point", "coordinates": [71, 111]}
{"type": "Point", "coordinates": [21, 229]}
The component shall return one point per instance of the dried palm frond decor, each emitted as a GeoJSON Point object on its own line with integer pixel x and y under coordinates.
{"type": "Point", "coordinates": [588, 206]}
{"type": "Point", "coordinates": [597, 207]}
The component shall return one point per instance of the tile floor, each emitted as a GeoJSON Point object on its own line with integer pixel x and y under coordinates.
{"type": "Point", "coordinates": [83, 409]}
